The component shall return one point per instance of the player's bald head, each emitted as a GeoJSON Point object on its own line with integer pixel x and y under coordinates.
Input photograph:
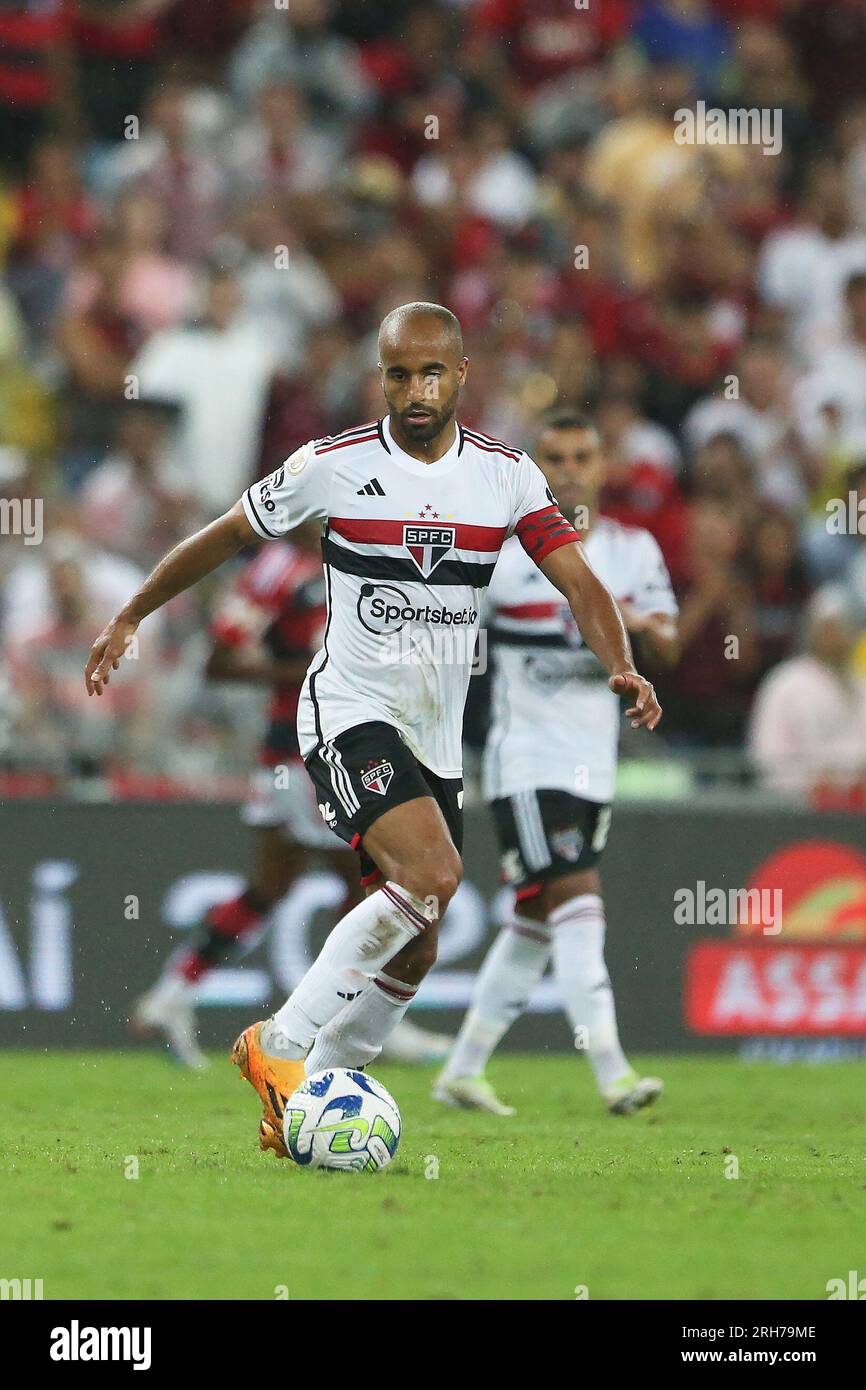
{"type": "Point", "coordinates": [420, 320]}
{"type": "Point", "coordinates": [423, 369]}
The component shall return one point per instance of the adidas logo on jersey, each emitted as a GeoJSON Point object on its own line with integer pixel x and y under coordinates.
{"type": "Point", "coordinates": [372, 489]}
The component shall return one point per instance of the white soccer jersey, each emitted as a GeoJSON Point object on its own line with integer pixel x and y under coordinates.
{"type": "Point", "coordinates": [555, 722]}
{"type": "Point", "coordinates": [409, 548]}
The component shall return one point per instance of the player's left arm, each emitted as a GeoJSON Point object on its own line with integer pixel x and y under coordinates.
{"type": "Point", "coordinates": [602, 627]}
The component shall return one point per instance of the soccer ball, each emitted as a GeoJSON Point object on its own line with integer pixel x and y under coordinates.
{"type": "Point", "coordinates": [342, 1119]}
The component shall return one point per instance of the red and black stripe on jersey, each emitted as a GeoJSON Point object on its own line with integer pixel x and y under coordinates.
{"type": "Point", "coordinates": [487, 443]}
{"type": "Point", "coordinates": [544, 531]}
{"type": "Point", "coordinates": [539, 533]}
{"type": "Point", "coordinates": [449, 571]}
{"type": "Point", "coordinates": [523, 617]}
{"type": "Point", "coordinates": [361, 434]}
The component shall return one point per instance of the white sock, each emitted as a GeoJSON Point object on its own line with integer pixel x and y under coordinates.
{"type": "Point", "coordinates": [511, 970]}
{"type": "Point", "coordinates": [578, 960]}
{"type": "Point", "coordinates": [170, 992]}
{"type": "Point", "coordinates": [357, 1034]}
{"type": "Point", "coordinates": [360, 944]}
{"type": "Point", "coordinates": [172, 987]}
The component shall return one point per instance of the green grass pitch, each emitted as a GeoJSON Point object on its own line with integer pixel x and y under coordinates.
{"type": "Point", "coordinates": [536, 1207]}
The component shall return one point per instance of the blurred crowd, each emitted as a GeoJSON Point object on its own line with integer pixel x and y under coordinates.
{"type": "Point", "coordinates": [206, 209]}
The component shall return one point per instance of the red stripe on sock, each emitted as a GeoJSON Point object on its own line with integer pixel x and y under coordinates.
{"type": "Point", "coordinates": [406, 908]}
{"type": "Point", "coordinates": [589, 914]}
{"type": "Point", "coordinates": [395, 988]}
{"type": "Point", "coordinates": [232, 918]}
{"type": "Point", "coordinates": [529, 890]}
{"type": "Point", "coordinates": [191, 966]}
{"type": "Point", "coordinates": [527, 931]}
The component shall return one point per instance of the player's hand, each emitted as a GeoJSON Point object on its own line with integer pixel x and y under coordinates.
{"type": "Point", "coordinates": [646, 711]}
{"type": "Point", "coordinates": [105, 654]}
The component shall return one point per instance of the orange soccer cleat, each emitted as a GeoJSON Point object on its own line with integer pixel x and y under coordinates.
{"type": "Point", "coordinates": [275, 1079]}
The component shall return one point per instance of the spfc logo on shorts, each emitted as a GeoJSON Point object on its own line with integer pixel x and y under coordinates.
{"type": "Point", "coordinates": [428, 544]}
{"type": "Point", "coordinates": [378, 779]}
{"type": "Point", "coordinates": [568, 844]}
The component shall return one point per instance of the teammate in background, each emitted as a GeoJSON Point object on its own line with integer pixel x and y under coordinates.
{"type": "Point", "coordinates": [551, 794]}
{"type": "Point", "coordinates": [415, 508]}
{"type": "Point", "coordinates": [266, 629]}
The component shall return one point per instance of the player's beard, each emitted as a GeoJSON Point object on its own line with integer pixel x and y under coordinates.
{"type": "Point", "coordinates": [422, 433]}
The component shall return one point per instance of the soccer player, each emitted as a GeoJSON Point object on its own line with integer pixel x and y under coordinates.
{"type": "Point", "coordinates": [549, 771]}
{"type": "Point", "coordinates": [265, 630]}
{"type": "Point", "coordinates": [415, 508]}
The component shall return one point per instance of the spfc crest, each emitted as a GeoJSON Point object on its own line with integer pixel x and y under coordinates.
{"type": "Point", "coordinates": [428, 544]}
{"type": "Point", "coordinates": [378, 779]}
{"type": "Point", "coordinates": [568, 844]}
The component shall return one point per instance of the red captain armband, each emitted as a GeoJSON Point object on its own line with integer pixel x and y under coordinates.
{"type": "Point", "coordinates": [544, 531]}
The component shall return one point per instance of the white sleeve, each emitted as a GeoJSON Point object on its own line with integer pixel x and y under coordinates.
{"type": "Point", "coordinates": [158, 367]}
{"type": "Point", "coordinates": [296, 491]}
{"type": "Point", "coordinates": [529, 491]}
{"type": "Point", "coordinates": [783, 270]}
{"type": "Point", "coordinates": [653, 590]}
{"type": "Point", "coordinates": [535, 516]}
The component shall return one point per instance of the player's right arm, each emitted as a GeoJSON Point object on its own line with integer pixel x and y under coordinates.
{"type": "Point", "coordinates": [297, 491]}
{"type": "Point", "coordinates": [182, 567]}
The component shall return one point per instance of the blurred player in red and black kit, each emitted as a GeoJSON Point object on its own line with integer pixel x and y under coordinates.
{"type": "Point", "coordinates": [265, 630]}
{"type": "Point", "coordinates": [547, 40]}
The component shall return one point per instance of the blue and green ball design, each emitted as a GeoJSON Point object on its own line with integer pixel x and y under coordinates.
{"type": "Point", "coordinates": [342, 1120]}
